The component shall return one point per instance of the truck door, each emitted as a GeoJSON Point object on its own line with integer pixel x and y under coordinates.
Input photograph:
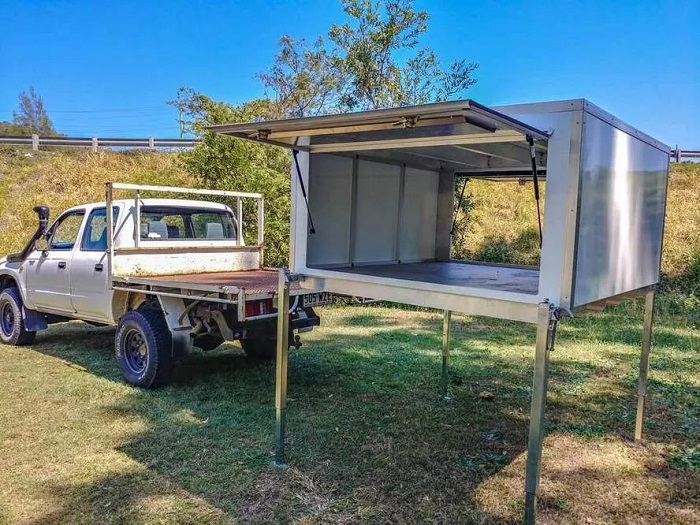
{"type": "Point", "coordinates": [90, 290]}
{"type": "Point", "coordinates": [48, 271]}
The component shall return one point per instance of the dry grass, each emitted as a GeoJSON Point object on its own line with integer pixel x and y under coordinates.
{"type": "Point", "coordinates": [501, 224]}
{"type": "Point", "coordinates": [63, 179]}
{"type": "Point", "coordinates": [682, 241]}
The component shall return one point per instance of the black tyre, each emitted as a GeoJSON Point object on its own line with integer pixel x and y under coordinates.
{"type": "Point", "coordinates": [261, 347]}
{"type": "Point", "coordinates": [143, 348]}
{"type": "Point", "coordinates": [12, 329]}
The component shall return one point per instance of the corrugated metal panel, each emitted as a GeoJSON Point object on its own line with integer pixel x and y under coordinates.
{"type": "Point", "coordinates": [418, 215]}
{"type": "Point", "coordinates": [377, 211]}
{"type": "Point", "coordinates": [330, 185]}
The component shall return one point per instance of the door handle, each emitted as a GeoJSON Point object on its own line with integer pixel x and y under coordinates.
{"type": "Point", "coordinates": [99, 267]}
{"type": "Point", "coordinates": [61, 264]}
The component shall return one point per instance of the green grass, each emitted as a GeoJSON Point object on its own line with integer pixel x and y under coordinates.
{"type": "Point", "coordinates": [369, 439]}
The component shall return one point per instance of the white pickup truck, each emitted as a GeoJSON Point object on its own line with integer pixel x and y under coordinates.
{"type": "Point", "coordinates": [170, 274]}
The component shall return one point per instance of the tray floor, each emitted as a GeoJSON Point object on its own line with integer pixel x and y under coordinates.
{"type": "Point", "coordinates": [253, 281]}
{"type": "Point", "coordinates": [507, 279]}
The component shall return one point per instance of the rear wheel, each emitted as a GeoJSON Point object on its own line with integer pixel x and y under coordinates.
{"type": "Point", "coordinates": [143, 348]}
{"type": "Point", "coordinates": [12, 330]}
{"type": "Point", "coordinates": [262, 347]}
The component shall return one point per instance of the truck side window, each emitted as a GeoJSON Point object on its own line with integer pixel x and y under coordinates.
{"type": "Point", "coordinates": [65, 232]}
{"type": "Point", "coordinates": [184, 223]}
{"type": "Point", "coordinates": [95, 235]}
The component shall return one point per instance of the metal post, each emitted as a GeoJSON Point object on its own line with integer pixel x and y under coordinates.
{"type": "Point", "coordinates": [281, 365]}
{"type": "Point", "coordinates": [110, 232]}
{"type": "Point", "coordinates": [151, 143]}
{"type": "Point", "coordinates": [239, 220]}
{"type": "Point", "coordinates": [35, 142]}
{"type": "Point", "coordinates": [644, 362]}
{"type": "Point", "coordinates": [137, 218]}
{"type": "Point", "coordinates": [94, 144]}
{"type": "Point", "coordinates": [546, 326]}
{"type": "Point", "coordinates": [446, 355]}
{"type": "Point", "coordinates": [261, 231]}
{"type": "Point", "coordinates": [261, 220]}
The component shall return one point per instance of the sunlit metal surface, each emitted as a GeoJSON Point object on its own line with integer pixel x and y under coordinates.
{"type": "Point", "coordinates": [454, 135]}
{"type": "Point", "coordinates": [621, 213]}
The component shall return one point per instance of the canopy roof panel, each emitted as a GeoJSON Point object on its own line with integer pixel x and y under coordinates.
{"type": "Point", "coordinates": [460, 135]}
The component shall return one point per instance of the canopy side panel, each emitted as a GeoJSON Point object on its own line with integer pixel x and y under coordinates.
{"type": "Point", "coordinates": [621, 213]}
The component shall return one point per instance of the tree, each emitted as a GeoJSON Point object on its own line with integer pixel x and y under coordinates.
{"type": "Point", "coordinates": [221, 162]}
{"type": "Point", "coordinates": [368, 57]}
{"type": "Point", "coordinates": [302, 80]}
{"type": "Point", "coordinates": [32, 116]}
{"type": "Point", "coordinates": [373, 61]}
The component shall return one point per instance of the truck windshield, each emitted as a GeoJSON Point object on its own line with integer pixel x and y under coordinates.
{"type": "Point", "coordinates": [172, 222]}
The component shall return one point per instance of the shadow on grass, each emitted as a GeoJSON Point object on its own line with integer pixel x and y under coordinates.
{"type": "Point", "coordinates": [368, 437]}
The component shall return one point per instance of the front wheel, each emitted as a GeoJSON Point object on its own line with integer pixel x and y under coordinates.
{"type": "Point", "coordinates": [12, 330]}
{"type": "Point", "coordinates": [143, 348]}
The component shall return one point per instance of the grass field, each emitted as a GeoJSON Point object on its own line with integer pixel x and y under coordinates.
{"type": "Point", "coordinates": [369, 440]}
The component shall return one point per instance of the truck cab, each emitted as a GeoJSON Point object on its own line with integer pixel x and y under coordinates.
{"type": "Point", "coordinates": [177, 271]}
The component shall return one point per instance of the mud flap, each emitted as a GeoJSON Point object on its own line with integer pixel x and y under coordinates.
{"type": "Point", "coordinates": [175, 313]}
{"type": "Point", "coordinates": [33, 321]}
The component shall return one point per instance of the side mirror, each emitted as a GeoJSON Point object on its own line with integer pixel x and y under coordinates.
{"type": "Point", "coordinates": [41, 244]}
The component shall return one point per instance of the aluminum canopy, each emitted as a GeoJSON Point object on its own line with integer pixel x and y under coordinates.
{"type": "Point", "coordinates": [462, 136]}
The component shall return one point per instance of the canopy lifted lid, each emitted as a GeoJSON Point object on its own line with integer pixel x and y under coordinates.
{"type": "Point", "coordinates": [462, 136]}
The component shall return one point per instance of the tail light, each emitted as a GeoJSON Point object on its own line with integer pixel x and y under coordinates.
{"type": "Point", "coordinates": [255, 308]}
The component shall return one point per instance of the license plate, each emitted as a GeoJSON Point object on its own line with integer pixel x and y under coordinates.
{"type": "Point", "coordinates": [317, 299]}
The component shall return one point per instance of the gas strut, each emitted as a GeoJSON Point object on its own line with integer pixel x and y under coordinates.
{"type": "Point", "coordinates": [536, 183]}
{"type": "Point", "coordinates": [312, 230]}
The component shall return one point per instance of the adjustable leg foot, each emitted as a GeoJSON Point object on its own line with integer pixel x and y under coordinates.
{"type": "Point", "coordinates": [445, 381]}
{"type": "Point", "coordinates": [530, 508]}
{"type": "Point", "coordinates": [280, 419]}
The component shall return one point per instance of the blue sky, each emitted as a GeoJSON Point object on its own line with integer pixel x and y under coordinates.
{"type": "Point", "coordinates": [106, 68]}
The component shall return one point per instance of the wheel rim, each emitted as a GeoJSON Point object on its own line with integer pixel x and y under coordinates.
{"type": "Point", "coordinates": [7, 318]}
{"type": "Point", "coordinates": [135, 351]}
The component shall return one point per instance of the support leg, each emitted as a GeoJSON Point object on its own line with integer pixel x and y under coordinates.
{"type": "Point", "coordinates": [445, 383]}
{"type": "Point", "coordinates": [281, 365]}
{"type": "Point", "coordinates": [644, 363]}
{"type": "Point", "coordinates": [546, 326]}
